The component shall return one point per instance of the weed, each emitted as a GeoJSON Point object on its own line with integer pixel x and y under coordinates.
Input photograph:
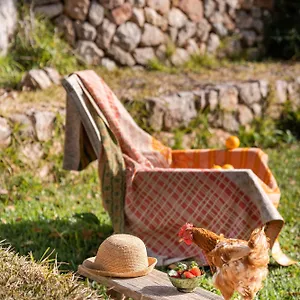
{"type": "Point", "coordinates": [156, 65]}
{"type": "Point", "coordinates": [37, 45]}
{"type": "Point", "coordinates": [199, 62]}
{"type": "Point", "coordinates": [290, 121]}
{"type": "Point", "coordinates": [264, 133]}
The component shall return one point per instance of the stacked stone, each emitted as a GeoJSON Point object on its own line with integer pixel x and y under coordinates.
{"type": "Point", "coordinates": [229, 105]}
{"type": "Point", "coordinates": [133, 32]}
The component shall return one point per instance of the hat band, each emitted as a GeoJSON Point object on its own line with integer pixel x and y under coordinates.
{"type": "Point", "coordinates": [88, 266]}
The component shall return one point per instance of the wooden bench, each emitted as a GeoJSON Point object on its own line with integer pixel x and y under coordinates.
{"type": "Point", "coordinates": [154, 286]}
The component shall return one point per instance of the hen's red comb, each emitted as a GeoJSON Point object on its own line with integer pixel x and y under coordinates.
{"type": "Point", "coordinates": [184, 228]}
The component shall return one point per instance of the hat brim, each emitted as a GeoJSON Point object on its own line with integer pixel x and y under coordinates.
{"type": "Point", "coordinates": [88, 266]}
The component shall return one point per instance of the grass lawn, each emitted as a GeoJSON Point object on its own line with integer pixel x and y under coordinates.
{"type": "Point", "coordinates": [64, 213]}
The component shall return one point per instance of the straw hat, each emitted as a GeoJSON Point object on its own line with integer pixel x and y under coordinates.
{"type": "Point", "coordinates": [120, 255]}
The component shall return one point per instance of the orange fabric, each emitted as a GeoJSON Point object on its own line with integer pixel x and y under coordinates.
{"type": "Point", "coordinates": [240, 158]}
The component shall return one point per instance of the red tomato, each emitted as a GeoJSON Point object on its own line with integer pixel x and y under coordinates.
{"type": "Point", "coordinates": [188, 274]}
{"type": "Point", "coordinates": [195, 271]}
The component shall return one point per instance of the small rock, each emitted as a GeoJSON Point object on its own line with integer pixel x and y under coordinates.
{"type": "Point", "coordinates": [179, 57]}
{"type": "Point", "coordinates": [216, 17]}
{"type": "Point", "coordinates": [229, 23]}
{"type": "Point", "coordinates": [187, 32]}
{"type": "Point", "coordinates": [233, 48]}
{"type": "Point", "coordinates": [35, 79]}
{"type": "Point", "coordinates": [245, 115]}
{"type": "Point", "coordinates": [293, 90]}
{"type": "Point", "coordinates": [244, 20]}
{"type": "Point", "coordinates": [106, 32]}
{"type": "Point", "coordinates": [202, 48]}
{"type": "Point", "coordinates": [44, 171]}
{"type": "Point", "coordinates": [249, 92]}
{"type": "Point", "coordinates": [144, 55]}
{"type": "Point", "coordinates": [5, 133]}
{"type": "Point", "coordinates": [96, 13]}
{"type": "Point", "coordinates": [180, 110]}
{"type": "Point", "coordinates": [274, 111]}
{"type": "Point", "coordinates": [173, 32]}
{"type": "Point", "coordinates": [89, 52]}
{"type": "Point", "coordinates": [161, 52]}
{"type": "Point", "coordinates": [188, 140]}
{"type": "Point", "coordinates": [264, 87]}
{"type": "Point", "coordinates": [121, 56]}
{"type": "Point", "coordinates": [281, 91]}
{"type": "Point", "coordinates": [128, 36]}
{"type": "Point", "coordinates": [152, 17]}
{"type": "Point", "coordinates": [85, 31]}
{"type": "Point", "coordinates": [213, 43]}
{"type": "Point", "coordinates": [209, 8]}
{"type": "Point", "coordinates": [212, 97]}
{"type": "Point", "coordinates": [109, 64]}
{"type": "Point", "coordinates": [220, 29]}
{"type": "Point", "coordinates": [31, 153]}
{"type": "Point", "coordinates": [156, 109]}
{"type": "Point", "coordinates": [26, 128]}
{"type": "Point", "coordinates": [65, 25]}
{"type": "Point", "coordinates": [228, 97]}
{"type": "Point", "coordinates": [203, 29]}
{"type": "Point", "coordinates": [233, 3]}
{"type": "Point", "coordinates": [268, 4]}
{"type": "Point", "coordinates": [137, 3]}
{"type": "Point", "coordinates": [138, 16]}
{"type": "Point", "coordinates": [192, 47]}
{"type": "Point", "coordinates": [177, 18]}
{"type": "Point", "coordinates": [53, 75]}
{"type": "Point", "coordinates": [249, 37]}
{"type": "Point", "coordinates": [256, 12]}
{"type": "Point", "coordinates": [50, 11]}
{"type": "Point", "coordinates": [258, 26]}
{"type": "Point", "coordinates": [162, 6]}
{"type": "Point", "coordinates": [77, 9]}
{"type": "Point", "coordinates": [44, 124]}
{"type": "Point", "coordinates": [218, 138]}
{"type": "Point", "coordinates": [193, 8]}
{"type": "Point", "coordinates": [111, 4]}
{"type": "Point", "coordinates": [246, 4]}
{"type": "Point", "coordinates": [152, 36]}
{"type": "Point", "coordinates": [122, 13]}
{"type": "Point", "coordinates": [257, 110]}
{"type": "Point", "coordinates": [221, 6]}
{"type": "Point", "coordinates": [230, 123]}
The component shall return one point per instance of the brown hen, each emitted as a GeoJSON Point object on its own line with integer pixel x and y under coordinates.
{"type": "Point", "coordinates": [238, 265]}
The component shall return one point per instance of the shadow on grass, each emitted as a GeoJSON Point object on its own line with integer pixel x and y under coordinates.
{"type": "Point", "coordinates": [72, 239]}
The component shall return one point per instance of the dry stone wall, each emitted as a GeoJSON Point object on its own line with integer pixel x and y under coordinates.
{"type": "Point", "coordinates": [132, 32]}
{"type": "Point", "coordinates": [229, 106]}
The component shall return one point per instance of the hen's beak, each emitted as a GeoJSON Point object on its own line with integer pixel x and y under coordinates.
{"type": "Point", "coordinates": [181, 240]}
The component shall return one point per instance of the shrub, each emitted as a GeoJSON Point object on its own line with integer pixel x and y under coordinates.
{"type": "Point", "coordinates": [36, 45]}
{"type": "Point", "coordinates": [283, 34]}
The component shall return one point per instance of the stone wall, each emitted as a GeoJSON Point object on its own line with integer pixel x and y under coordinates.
{"type": "Point", "coordinates": [229, 105]}
{"type": "Point", "coordinates": [132, 32]}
